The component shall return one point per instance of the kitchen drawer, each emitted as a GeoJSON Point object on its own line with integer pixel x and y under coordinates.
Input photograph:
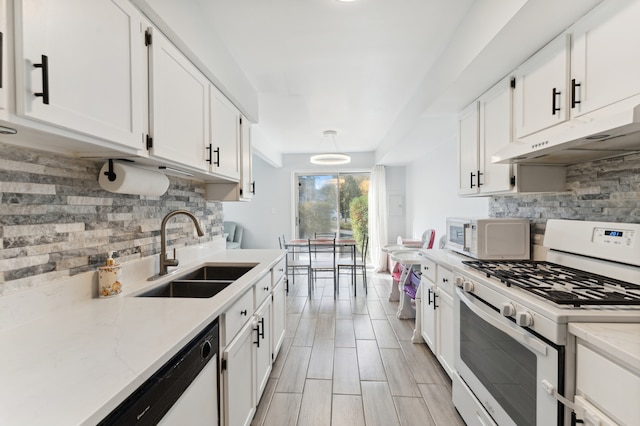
{"type": "Point", "coordinates": [262, 289]}
{"type": "Point", "coordinates": [429, 270]}
{"type": "Point", "coordinates": [236, 316]}
{"type": "Point", "coordinates": [445, 280]}
{"type": "Point", "coordinates": [610, 387]}
{"type": "Point", "coordinates": [278, 271]}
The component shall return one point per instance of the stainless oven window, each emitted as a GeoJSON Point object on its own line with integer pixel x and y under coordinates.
{"type": "Point", "coordinates": [507, 369]}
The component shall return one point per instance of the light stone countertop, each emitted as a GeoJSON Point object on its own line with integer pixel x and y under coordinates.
{"type": "Point", "coordinates": [620, 341]}
{"type": "Point", "coordinates": [75, 365]}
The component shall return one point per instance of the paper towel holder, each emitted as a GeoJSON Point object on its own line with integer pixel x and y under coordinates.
{"type": "Point", "coordinates": [110, 173]}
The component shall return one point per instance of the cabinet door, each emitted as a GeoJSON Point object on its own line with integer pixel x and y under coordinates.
{"type": "Point", "coordinates": [605, 65]}
{"type": "Point", "coordinates": [3, 58]}
{"type": "Point", "coordinates": [540, 99]}
{"type": "Point", "coordinates": [225, 135]}
{"type": "Point", "coordinates": [81, 66]}
{"type": "Point", "coordinates": [246, 170]}
{"type": "Point", "coordinates": [495, 134]}
{"type": "Point", "coordinates": [262, 346]}
{"type": "Point", "coordinates": [468, 150]}
{"type": "Point", "coordinates": [428, 314]}
{"type": "Point", "coordinates": [445, 331]}
{"type": "Point", "coordinates": [278, 317]}
{"type": "Point", "coordinates": [179, 99]}
{"type": "Point", "coordinates": [238, 378]}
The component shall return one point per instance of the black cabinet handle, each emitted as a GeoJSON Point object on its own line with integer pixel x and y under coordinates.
{"type": "Point", "coordinates": [554, 94]}
{"type": "Point", "coordinates": [44, 64]}
{"type": "Point", "coordinates": [479, 174]}
{"type": "Point", "coordinates": [429, 296]}
{"type": "Point", "coordinates": [434, 300]}
{"type": "Point", "coordinates": [208, 160]}
{"type": "Point", "coordinates": [257, 330]}
{"type": "Point", "coordinates": [217, 151]}
{"type": "Point", "coordinates": [243, 312]}
{"type": "Point", "coordinates": [471, 178]}
{"type": "Point", "coordinates": [573, 93]}
{"type": "Point", "coordinates": [261, 333]}
{"type": "Point", "coordinates": [1, 54]}
{"type": "Point", "coordinates": [253, 187]}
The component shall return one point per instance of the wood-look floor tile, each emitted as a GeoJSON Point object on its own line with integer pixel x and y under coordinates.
{"type": "Point", "coordinates": [328, 305]}
{"type": "Point", "coordinates": [294, 371]}
{"type": "Point", "coordinates": [375, 310]}
{"type": "Point", "coordinates": [438, 400]}
{"type": "Point", "coordinates": [265, 401]}
{"type": "Point", "coordinates": [296, 305]}
{"type": "Point", "coordinates": [403, 328]}
{"type": "Point", "coordinates": [283, 410]}
{"type": "Point", "coordinates": [321, 363]}
{"type": "Point", "coordinates": [316, 403]}
{"type": "Point", "coordinates": [305, 333]}
{"type": "Point", "coordinates": [347, 411]}
{"type": "Point", "coordinates": [384, 334]}
{"type": "Point", "coordinates": [413, 412]}
{"type": "Point", "coordinates": [377, 402]}
{"type": "Point", "coordinates": [369, 361]}
{"type": "Point", "coordinates": [390, 308]}
{"type": "Point", "coordinates": [281, 358]}
{"type": "Point", "coordinates": [326, 326]}
{"type": "Point", "coordinates": [311, 309]}
{"type": "Point", "coordinates": [401, 381]}
{"type": "Point", "coordinates": [343, 309]}
{"type": "Point", "coordinates": [359, 307]}
{"type": "Point", "coordinates": [345, 336]}
{"type": "Point", "coordinates": [362, 327]}
{"type": "Point", "coordinates": [292, 325]}
{"type": "Point", "coordinates": [346, 377]}
{"type": "Point", "coordinates": [422, 363]}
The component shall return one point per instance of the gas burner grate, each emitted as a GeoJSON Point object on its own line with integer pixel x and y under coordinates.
{"type": "Point", "coordinates": [560, 284]}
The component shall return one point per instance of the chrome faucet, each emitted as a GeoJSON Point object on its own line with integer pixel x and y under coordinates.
{"type": "Point", "coordinates": [164, 261]}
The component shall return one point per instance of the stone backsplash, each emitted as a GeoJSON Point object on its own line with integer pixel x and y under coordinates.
{"type": "Point", "coordinates": [605, 190]}
{"type": "Point", "coordinates": [56, 221]}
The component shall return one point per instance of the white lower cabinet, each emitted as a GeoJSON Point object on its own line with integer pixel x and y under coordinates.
{"type": "Point", "coordinates": [238, 394]}
{"type": "Point", "coordinates": [437, 312]}
{"type": "Point", "coordinates": [250, 341]}
{"type": "Point", "coordinates": [262, 347]}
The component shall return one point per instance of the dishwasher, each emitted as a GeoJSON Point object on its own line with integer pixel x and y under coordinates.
{"type": "Point", "coordinates": [183, 391]}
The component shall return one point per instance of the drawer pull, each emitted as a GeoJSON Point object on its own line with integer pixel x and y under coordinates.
{"type": "Point", "coordinates": [445, 280]}
{"type": "Point", "coordinates": [265, 288]}
{"type": "Point", "coordinates": [243, 312]}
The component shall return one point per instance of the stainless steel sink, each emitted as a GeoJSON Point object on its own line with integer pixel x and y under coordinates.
{"type": "Point", "coordinates": [202, 283]}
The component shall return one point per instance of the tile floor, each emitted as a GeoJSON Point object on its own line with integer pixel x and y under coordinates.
{"type": "Point", "coordinates": [350, 361]}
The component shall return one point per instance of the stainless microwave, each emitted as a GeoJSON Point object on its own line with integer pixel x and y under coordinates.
{"type": "Point", "coordinates": [491, 238]}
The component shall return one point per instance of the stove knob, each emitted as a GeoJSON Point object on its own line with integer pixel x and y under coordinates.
{"type": "Point", "coordinates": [467, 286]}
{"type": "Point", "coordinates": [524, 319]}
{"type": "Point", "coordinates": [507, 309]}
{"type": "Point", "coordinates": [459, 281]}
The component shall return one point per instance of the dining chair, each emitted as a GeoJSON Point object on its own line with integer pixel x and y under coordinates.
{"type": "Point", "coordinates": [357, 265]}
{"type": "Point", "coordinates": [322, 236]}
{"type": "Point", "coordinates": [323, 264]}
{"type": "Point", "coordinates": [297, 262]}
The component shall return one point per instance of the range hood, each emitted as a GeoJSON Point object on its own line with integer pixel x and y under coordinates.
{"type": "Point", "coordinates": [609, 132]}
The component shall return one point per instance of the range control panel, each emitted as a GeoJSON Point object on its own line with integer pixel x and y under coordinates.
{"type": "Point", "coordinates": [615, 237]}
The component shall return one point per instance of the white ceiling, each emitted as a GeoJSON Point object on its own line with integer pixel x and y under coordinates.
{"type": "Point", "coordinates": [387, 75]}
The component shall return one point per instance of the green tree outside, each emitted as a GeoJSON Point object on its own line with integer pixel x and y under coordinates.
{"type": "Point", "coordinates": [359, 212]}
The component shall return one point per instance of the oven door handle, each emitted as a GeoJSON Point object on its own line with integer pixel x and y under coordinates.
{"type": "Point", "coordinates": [521, 336]}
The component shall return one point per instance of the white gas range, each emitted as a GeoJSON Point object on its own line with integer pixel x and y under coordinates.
{"type": "Point", "coordinates": [513, 354]}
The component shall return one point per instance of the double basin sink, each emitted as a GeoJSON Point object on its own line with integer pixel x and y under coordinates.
{"type": "Point", "coordinates": [202, 283]}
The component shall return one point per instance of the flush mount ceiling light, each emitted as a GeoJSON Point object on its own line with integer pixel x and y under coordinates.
{"type": "Point", "coordinates": [330, 159]}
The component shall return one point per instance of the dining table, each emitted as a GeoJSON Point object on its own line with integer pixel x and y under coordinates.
{"type": "Point", "coordinates": [346, 243]}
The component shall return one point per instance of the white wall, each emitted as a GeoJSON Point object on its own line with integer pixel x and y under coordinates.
{"type": "Point", "coordinates": [432, 189]}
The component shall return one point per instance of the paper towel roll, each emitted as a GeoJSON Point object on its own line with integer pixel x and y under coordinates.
{"type": "Point", "coordinates": [133, 180]}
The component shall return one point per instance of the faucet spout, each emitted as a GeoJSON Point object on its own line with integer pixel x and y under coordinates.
{"type": "Point", "coordinates": [164, 261]}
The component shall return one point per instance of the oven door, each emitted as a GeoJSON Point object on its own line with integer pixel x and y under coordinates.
{"type": "Point", "coordinates": [504, 365]}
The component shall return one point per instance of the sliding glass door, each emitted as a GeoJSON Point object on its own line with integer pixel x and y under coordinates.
{"type": "Point", "coordinates": [331, 203]}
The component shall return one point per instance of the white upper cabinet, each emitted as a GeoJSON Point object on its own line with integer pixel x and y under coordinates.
{"type": "Point", "coordinates": [225, 136]}
{"type": "Point", "coordinates": [540, 98]}
{"type": "Point", "coordinates": [468, 140]}
{"type": "Point", "coordinates": [605, 64]}
{"type": "Point", "coordinates": [3, 58]}
{"type": "Point", "coordinates": [179, 106]}
{"type": "Point", "coordinates": [81, 66]}
{"type": "Point", "coordinates": [248, 185]}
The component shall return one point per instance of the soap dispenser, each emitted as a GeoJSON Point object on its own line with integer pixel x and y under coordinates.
{"type": "Point", "coordinates": [109, 278]}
